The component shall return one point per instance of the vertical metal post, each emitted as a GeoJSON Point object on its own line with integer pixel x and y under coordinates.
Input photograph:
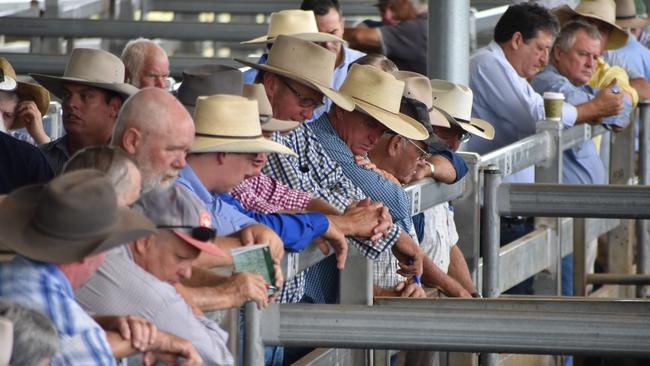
{"type": "Point", "coordinates": [579, 257]}
{"type": "Point", "coordinates": [550, 171]}
{"type": "Point", "coordinates": [355, 287]}
{"type": "Point", "coordinates": [643, 239]}
{"type": "Point", "coordinates": [467, 213]}
{"type": "Point", "coordinates": [448, 45]}
{"type": "Point", "coordinates": [253, 347]}
{"type": "Point", "coordinates": [490, 243]}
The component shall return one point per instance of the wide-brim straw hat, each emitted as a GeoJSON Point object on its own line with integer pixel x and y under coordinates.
{"type": "Point", "coordinates": [95, 68]}
{"type": "Point", "coordinates": [257, 93]}
{"type": "Point", "coordinates": [72, 217]}
{"type": "Point", "coordinates": [26, 91]}
{"type": "Point", "coordinates": [378, 94]}
{"type": "Point", "coordinates": [204, 80]}
{"type": "Point", "coordinates": [306, 63]}
{"type": "Point", "coordinates": [294, 22]}
{"type": "Point", "coordinates": [626, 16]}
{"type": "Point", "coordinates": [455, 102]}
{"type": "Point", "coordinates": [229, 123]}
{"type": "Point", "coordinates": [603, 11]}
{"type": "Point", "coordinates": [417, 87]}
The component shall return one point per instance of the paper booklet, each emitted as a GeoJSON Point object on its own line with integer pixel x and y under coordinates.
{"type": "Point", "coordinates": [255, 258]}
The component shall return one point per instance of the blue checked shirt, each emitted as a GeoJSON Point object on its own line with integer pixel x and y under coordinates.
{"type": "Point", "coordinates": [43, 287]}
{"type": "Point", "coordinates": [314, 171]}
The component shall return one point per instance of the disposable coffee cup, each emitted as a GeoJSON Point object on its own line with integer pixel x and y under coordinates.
{"type": "Point", "coordinates": [553, 106]}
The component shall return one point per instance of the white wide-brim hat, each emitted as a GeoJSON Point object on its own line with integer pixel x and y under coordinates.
{"type": "Point", "coordinates": [306, 63]}
{"type": "Point", "coordinates": [229, 123]}
{"type": "Point", "coordinates": [257, 93]}
{"type": "Point", "coordinates": [95, 68]}
{"type": "Point", "coordinates": [379, 95]}
{"type": "Point", "coordinates": [417, 87]}
{"type": "Point", "coordinates": [455, 101]}
{"type": "Point", "coordinates": [603, 11]}
{"type": "Point", "coordinates": [294, 22]}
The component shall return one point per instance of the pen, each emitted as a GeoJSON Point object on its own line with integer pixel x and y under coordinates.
{"type": "Point", "coordinates": [416, 277]}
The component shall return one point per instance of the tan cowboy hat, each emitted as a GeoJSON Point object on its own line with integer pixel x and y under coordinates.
{"type": "Point", "coordinates": [257, 93]}
{"type": "Point", "coordinates": [96, 68]}
{"type": "Point", "coordinates": [626, 16]}
{"type": "Point", "coordinates": [417, 87]}
{"type": "Point", "coordinates": [379, 95]}
{"type": "Point", "coordinates": [455, 102]}
{"type": "Point", "coordinates": [204, 80]}
{"type": "Point", "coordinates": [306, 63]}
{"type": "Point", "coordinates": [294, 22]}
{"type": "Point", "coordinates": [6, 340]}
{"type": "Point", "coordinates": [230, 123]}
{"type": "Point", "coordinates": [72, 217]}
{"type": "Point", "coordinates": [26, 91]}
{"type": "Point", "coordinates": [603, 11]}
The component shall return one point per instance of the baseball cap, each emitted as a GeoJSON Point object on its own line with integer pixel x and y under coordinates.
{"type": "Point", "coordinates": [177, 209]}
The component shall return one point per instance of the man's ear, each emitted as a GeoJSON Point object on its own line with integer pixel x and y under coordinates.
{"type": "Point", "coordinates": [114, 105]}
{"type": "Point", "coordinates": [270, 83]}
{"type": "Point", "coordinates": [557, 52]}
{"type": "Point", "coordinates": [131, 140]}
{"type": "Point", "coordinates": [141, 245]}
{"type": "Point", "coordinates": [516, 40]}
{"type": "Point", "coordinates": [394, 146]}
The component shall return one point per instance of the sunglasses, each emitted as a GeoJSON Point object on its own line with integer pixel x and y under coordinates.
{"type": "Point", "coordinates": [302, 100]}
{"type": "Point", "coordinates": [423, 154]}
{"type": "Point", "coordinates": [200, 233]}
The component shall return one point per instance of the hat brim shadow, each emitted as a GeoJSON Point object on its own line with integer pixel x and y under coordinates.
{"type": "Point", "coordinates": [311, 37]}
{"type": "Point", "coordinates": [55, 83]}
{"type": "Point", "coordinates": [336, 97]}
{"type": "Point", "coordinates": [233, 145]}
{"type": "Point", "coordinates": [19, 235]}
{"type": "Point", "coordinates": [399, 123]}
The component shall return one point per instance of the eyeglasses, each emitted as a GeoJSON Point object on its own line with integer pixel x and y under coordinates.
{"type": "Point", "coordinates": [200, 233]}
{"type": "Point", "coordinates": [423, 154]}
{"type": "Point", "coordinates": [302, 100]}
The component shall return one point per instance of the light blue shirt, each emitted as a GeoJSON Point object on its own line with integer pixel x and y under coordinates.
{"type": "Point", "coordinates": [226, 218]}
{"type": "Point", "coordinates": [340, 73]}
{"type": "Point", "coordinates": [582, 164]}
{"type": "Point", "coordinates": [508, 102]}
{"type": "Point", "coordinates": [634, 58]}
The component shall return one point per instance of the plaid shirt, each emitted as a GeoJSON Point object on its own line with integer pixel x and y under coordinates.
{"type": "Point", "coordinates": [266, 195]}
{"type": "Point", "coordinates": [43, 287]}
{"type": "Point", "coordinates": [314, 171]}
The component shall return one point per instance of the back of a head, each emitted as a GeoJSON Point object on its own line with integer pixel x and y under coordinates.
{"type": "Point", "coordinates": [35, 337]}
{"type": "Point", "coordinates": [527, 19]}
{"type": "Point", "coordinates": [108, 159]}
{"type": "Point", "coordinates": [377, 60]}
{"type": "Point", "coordinates": [320, 7]}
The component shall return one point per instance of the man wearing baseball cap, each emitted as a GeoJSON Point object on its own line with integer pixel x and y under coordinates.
{"type": "Point", "coordinates": [61, 232]}
{"type": "Point", "coordinates": [139, 278]}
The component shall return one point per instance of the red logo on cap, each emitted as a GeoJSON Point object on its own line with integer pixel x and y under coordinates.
{"type": "Point", "coordinates": [204, 219]}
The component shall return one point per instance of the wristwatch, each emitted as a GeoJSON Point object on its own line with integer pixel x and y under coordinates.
{"type": "Point", "coordinates": [432, 167]}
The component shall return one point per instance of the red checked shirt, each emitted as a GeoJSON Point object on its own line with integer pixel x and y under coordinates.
{"type": "Point", "coordinates": [266, 195]}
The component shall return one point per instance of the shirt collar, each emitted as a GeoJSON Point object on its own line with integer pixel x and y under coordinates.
{"type": "Point", "coordinates": [197, 186]}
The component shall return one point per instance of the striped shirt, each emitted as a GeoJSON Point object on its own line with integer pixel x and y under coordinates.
{"type": "Point", "coordinates": [43, 287]}
{"type": "Point", "coordinates": [314, 171]}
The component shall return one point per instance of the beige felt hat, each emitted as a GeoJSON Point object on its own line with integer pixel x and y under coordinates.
{"type": "Point", "coordinates": [417, 86]}
{"type": "Point", "coordinates": [72, 217]}
{"type": "Point", "coordinates": [626, 16]}
{"type": "Point", "coordinates": [298, 23]}
{"type": "Point", "coordinates": [95, 68]}
{"type": "Point", "coordinates": [306, 63]}
{"type": "Point", "coordinates": [229, 123]}
{"type": "Point", "coordinates": [379, 95]}
{"type": "Point", "coordinates": [25, 91]}
{"type": "Point", "coordinates": [257, 93]}
{"type": "Point", "coordinates": [603, 11]}
{"type": "Point", "coordinates": [455, 100]}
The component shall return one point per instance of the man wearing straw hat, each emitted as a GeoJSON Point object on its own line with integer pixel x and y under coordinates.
{"type": "Point", "coordinates": [633, 53]}
{"type": "Point", "coordinates": [297, 23]}
{"type": "Point", "coordinates": [602, 14]}
{"type": "Point", "coordinates": [91, 90]}
{"type": "Point", "coordinates": [139, 278]}
{"type": "Point", "coordinates": [61, 232]}
{"type": "Point", "coordinates": [24, 107]}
